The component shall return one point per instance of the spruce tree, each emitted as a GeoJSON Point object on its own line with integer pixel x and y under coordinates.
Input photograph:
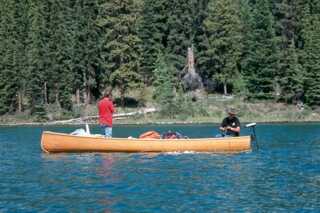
{"type": "Point", "coordinates": [224, 36]}
{"type": "Point", "coordinates": [58, 68]}
{"type": "Point", "coordinates": [89, 36]}
{"type": "Point", "coordinates": [36, 53]}
{"type": "Point", "coordinates": [20, 34]}
{"type": "Point", "coordinates": [289, 72]}
{"type": "Point", "coordinates": [181, 30]}
{"type": "Point", "coordinates": [260, 64]}
{"type": "Point", "coordinates": [121, 50]}
{"type": "Point", "coordinates": [13, 31]}
{"type": "Point", "coordinates": [152, 31]}
{"type": "Point", "coordinates": [164, 86]}
{"type": "Point", "coordinates": [201, 42]}
{"type": "Point", "coordinates": [311, 54]}
{"type": "Point", "coordinates": [6, 53]}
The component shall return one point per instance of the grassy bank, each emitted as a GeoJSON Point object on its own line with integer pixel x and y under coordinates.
{"type": "Point", "coordinates": [214, 107]}
{"type": "Point", "coordinates": [248, 112]}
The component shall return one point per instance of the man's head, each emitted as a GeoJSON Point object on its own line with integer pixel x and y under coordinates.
{"type": "Point", "coordinates": [107, 92]}
{"type": "Point", "coordinates": [231, 112]}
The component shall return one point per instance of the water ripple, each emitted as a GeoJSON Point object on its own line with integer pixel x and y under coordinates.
{"type": "Point", "coordinates": [283, 176]}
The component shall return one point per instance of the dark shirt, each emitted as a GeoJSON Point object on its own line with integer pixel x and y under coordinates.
{"type": "Point", "coordinates": [232, 122]}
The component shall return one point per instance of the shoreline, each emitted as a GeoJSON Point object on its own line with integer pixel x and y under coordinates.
{"type": "Point", "coordinates": [260, 113]}
{"type": "Point", "coordinates": [149, 123]}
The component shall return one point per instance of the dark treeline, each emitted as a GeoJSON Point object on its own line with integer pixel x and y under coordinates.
{"type": "Point", "coordinates": [67, 52]}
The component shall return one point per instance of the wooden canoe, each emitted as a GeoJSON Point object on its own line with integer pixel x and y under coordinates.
{"type": "Point", "coordinates": [52, 142]}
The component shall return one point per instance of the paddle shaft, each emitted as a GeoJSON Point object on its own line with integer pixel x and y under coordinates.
{"type": "Point", "coordinates": [255, 136]}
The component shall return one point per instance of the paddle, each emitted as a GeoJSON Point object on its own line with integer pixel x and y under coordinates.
{"type": "Point", "coordinates": [254, 136]}
{"type": "Point", "coordinates": [87, 129]}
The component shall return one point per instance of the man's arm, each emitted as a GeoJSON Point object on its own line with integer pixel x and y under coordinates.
{"type": "Point", "coordinates": [235, 129]}
{"type": "Point", "coordinates": [111, 107]}
{"type": "Point", "coordinates": [223, 126]}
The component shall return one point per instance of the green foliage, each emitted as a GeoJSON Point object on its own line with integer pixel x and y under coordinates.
{"type": "Point", "coordinates": [51, 51]}
{"type": "Point", "coordinates": [240, 86]}
{"type": "Point", "coordinates": [186, 108]}
{"type": "Point", "coordinates": [164, 89]}
{"type": "Point", "coordinates": [201, 42]}
{"type": "Point", "coordinates": [13, 33]}
{"type": "Point", "coordinates": [290, 71]}
{"type": "Point", "coordinates": [311, 55]}
{"type": "Point", "coordinates": [173, 102]}
{"type": "Point", "coordinates": [260, 64]}
{"type": "Point", "coordinates": [152, 31]}
{"type": "Point", "coordinates": [291, 75]}
{"type": "Point", "coordinates": [181, 30]}
{"type": "Point", "coordinates": [61, 44]}
{"type": "Point", "coordinates": [224, 36]}
{"type": "Point", "coordinates": [36, 59]}
{"type": "Point", "coordinates": [121, 51]}
{"type": "Point", "coordinates": [85, 50]}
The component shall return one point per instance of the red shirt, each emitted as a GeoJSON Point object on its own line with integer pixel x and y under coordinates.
{"type": "Point", "coordinates": [106, 110]}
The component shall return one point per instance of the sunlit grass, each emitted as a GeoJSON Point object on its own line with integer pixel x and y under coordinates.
{"type": "Point", "coordinates": [213, 105]}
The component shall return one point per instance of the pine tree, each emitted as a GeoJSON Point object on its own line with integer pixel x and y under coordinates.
{"type": "Point", "coordinates": [89, 35]}
{"type": "Point", "coordinates": [201, 42]}
{"type": "Point", "coordinates": [224, 36]}
{"type": "Point", "coordinates": [310, 53]}
{"type": "Point", "coordinates": [152, 31]}
{"type": "Point", "coordinates": [290, 71]}
{"type": "Point", "coordinates": [21, 35]}
{"type": "Point", "coordinates": [59, 71]}
{"type": "Point", "coordinates": [121, 51]}
{"type": "Point", "coordinates": [181, 31]}
{"type": "Point", "coordinates": [13, 32]}
{"type": "Point", "coordinates": [246, 18]}
{"type": "Point", "coordinates": [6, 51]}
{"type": "Point", "coordinates": [36, 53]}
{"type": "Point", "coordinates": [164, 86]}
{"type": "Point", "coordinates": [260, 64]}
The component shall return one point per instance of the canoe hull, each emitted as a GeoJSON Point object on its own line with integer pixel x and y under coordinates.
{"type": "Point", "coordinates": [52, 142]}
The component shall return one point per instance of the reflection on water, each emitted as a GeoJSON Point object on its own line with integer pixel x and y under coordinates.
{"type": "Point", "coordinates": [284, 175]}
{"type": "Point", "coordinates": [106, 168]}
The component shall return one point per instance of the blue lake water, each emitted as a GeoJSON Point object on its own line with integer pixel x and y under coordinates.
{"type": "Point", "coordinates": [282, 176]}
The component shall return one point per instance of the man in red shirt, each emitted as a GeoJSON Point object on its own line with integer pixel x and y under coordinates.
{"type": "Point", "coordinates": [106, 110]}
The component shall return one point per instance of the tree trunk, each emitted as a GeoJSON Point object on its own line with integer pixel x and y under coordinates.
{"type": "Point", "coordinates": [122, 92]}
{"type": "Point", "coordinates": [85, 96]}
{"type": "Point", "coordinates": [57, 99]}
{"type": "Point", "coordinates": [57, 96]}
{"type": "Point", "coordinates": [78, 96]}
{"type": "Point", "coordinates": [88, 96]}
{"type": "Point", "coordinates": [85, 86]}
{"type": "Point", "coordinates": [191, 68]}
{"type": "Point", "coordinates": [19, 101]}
{"type": "Point", "coordinates": [45, 93]}
{"type": "Point", "coordinates": [225, 91]}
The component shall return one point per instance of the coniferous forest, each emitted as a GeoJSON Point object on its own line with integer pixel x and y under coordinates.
{"type": "Point", "coordinates": [67, 52]}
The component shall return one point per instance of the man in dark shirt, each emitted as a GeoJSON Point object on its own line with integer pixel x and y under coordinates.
{"type": "Point", "coordinates": [231, 124]}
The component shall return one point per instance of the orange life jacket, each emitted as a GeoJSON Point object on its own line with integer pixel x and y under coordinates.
{"type": "Point", "coordinates": [150, 135]}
